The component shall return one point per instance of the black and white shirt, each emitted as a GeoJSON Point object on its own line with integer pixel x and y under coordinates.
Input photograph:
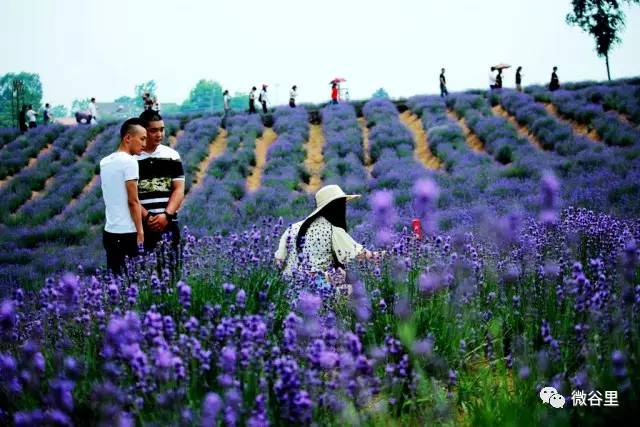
{"type": "Point", "coordinates": [157, 171]}
{"type": "Point", "coordinates": [320, 243]}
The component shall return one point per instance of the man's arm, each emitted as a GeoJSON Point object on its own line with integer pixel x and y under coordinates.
{"type": "Point", "coordinates": [160, 222]}
{"type": "Point", "coordinates": [135, 209]}
{"type": "Point", "coordinates": [177, 196]}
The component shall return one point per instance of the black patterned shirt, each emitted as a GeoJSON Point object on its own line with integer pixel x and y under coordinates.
{"type": "Point", "coordinates": [157, 172]}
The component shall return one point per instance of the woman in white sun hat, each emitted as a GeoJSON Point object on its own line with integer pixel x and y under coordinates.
{"type": "Point", "coordinates": [321, 237]}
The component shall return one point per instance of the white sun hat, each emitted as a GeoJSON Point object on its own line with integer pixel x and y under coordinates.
{"type": "Point", "coordinates": [328, 194]}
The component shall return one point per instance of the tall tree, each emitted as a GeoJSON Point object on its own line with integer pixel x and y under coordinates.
{"type": "Point", "coordinates": [205, 96]}
{"type": "Point", "coordinates": [31, 94]}
{"type": "Point", "coordinates": [80, 105]}
{"type": "Point", "coordinates": [603, 19]}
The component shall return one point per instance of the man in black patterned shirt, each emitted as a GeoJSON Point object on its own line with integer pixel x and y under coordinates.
{"type": "Point", "coordinates": [161, 184]}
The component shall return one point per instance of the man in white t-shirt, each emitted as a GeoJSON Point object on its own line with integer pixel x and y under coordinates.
{"type": "Point", "coordinates": [293, 93]}
{"type": "Point", "coordinates": [93, 111]}
{"type": "Point", "coordinates": [31, 117]}
{"type": "Point", "coordinates": [123, 233]}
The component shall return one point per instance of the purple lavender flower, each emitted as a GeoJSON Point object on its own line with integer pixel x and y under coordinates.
{"type": "Point", "coordinates": [425, 197]}
{"type": "Point", "coordinates": [211, 405]}
{"type": "Point", "coordinates": [549, 199]}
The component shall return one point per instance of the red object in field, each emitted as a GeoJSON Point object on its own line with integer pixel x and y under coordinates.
{"type": "Point", "coordinates": [417, 228]}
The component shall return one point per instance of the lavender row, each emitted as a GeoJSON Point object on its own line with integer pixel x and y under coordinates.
{"type": "Point", "coordinates": [224, 183]}
{"type": "Point", "coordinates": [285, 169]}
{"type": "Point", "coordinates": [193, 144]}
{"type": "Point", "coordinates": [552, 134]}
{"type": "Point", "coordinates": [577, 106]}
{"type": "Point", "coordinates": [33, 178]}
{"type": "Point", "coordinates": [343, 151]}
{"type": "Point", "coordinates": [386, 131]}
{"type": "Point", "coordinates": [7, 135]}
{"type": "Point", "coordinates": [16, 154]}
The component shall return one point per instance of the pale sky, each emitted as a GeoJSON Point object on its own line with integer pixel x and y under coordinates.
{"type": "Point", "coordinates": [104, 48]}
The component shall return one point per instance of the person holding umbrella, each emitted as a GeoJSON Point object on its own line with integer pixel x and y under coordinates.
{"type": "Point", "coordinates": [492, 78]}
{"type": "Point", "coordinates": [334, 92]}
{"type": "Point", "coordinates": [497, 80]}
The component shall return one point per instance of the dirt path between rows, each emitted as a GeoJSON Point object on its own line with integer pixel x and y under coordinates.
{"type": "Point", "coordinates": [32, 161]}
{"type": "Point", "coordinates": [579, 128]}
{"type": "Point", "coordinates": [216, 148]}
{"type": "Point", "coordinates": [422, 151]}
{"type": "Point", "coordinates": [262, 146]}
{"type": "Point", "coordinates": [472, 140]}
{"type": "Point", "coordinates": [368, 164]}
{"type": "Point", "coordinates": [523, 131]}
{"type": "Point", "coordinates": [314, 163]}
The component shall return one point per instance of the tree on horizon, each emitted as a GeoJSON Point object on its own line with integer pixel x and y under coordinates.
{"type": "Point", "coordinates": [602, 19]}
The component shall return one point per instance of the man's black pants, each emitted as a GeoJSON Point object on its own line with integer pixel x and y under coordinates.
{"type": "Point", "coordinates": [118, 246]}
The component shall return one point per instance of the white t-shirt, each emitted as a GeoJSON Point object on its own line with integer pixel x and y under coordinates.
{"type": "Point", "coordinates": [115, 170]}
{"type": "Point", "coordinates": [92, 109]}
{"type": "Point", "coordinates": [293, 94]}
{"type": "Point", "coordinates": [492, 77]}
{"type": "Point", "coordinates": [263, 94]}
{"type": "Point", "coordinates": [226, 99]}
{"type": "Point", "coordinates": [31, 116]}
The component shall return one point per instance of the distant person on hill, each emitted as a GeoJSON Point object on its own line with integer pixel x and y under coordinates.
{"type": "Point", "coordinates": [554, 84]}
{"type": "Point", "coordinates": [252, 100]}
{"type": "Point", "coordinates": [161, 188]}
{"type": "Point", "coordinates": [492, 78]}
{"type": "Point", "coordinates": [321, 237]}
{"type": "Point", "coordinates": [226, 100]}
{"type": "Point", "coordinates": [263, 98]}
{"type": "Point", "coordinates": [147, 101]}
{"type": "Point", "coordinates": [46, 115]}
{"type": "Point", "coordinates": [519, 79]}
{"type": "Point", "coordinates": [123, 233]}
{"type": "Point", "coordinates": [31, 117]}
{"type": "Point", "coordinates": [22, 119]}
{"type": "Point", "coordinates": [93, 111]}
{"type": "Point", "coordinates": [334, 93]}
{"type": "Point", "coordinates": [293, 93]}
{"type": "Point", "coordinates": [499, 79]}
{"type": "Point", "coordinates": [443, 85]}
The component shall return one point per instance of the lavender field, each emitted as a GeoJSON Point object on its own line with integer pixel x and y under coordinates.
{"type": "Point", "coordinates": [527, 274]}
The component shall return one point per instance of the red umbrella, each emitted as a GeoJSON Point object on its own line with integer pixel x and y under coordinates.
{"type": "Point", "coordinates": [338, 80]}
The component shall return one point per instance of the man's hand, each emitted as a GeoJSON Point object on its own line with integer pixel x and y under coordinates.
{"type": "Point", "coordinates": [140, 241]}
{"type": "Point", "coordinates": [158, 222]}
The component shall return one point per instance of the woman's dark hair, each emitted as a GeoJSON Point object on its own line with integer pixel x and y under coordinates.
{"type": "Point", "coordinates": [335, 212]}
{"type": "Point", "coordinates": [226, 92]}
{"type": "Point", "coordinates": [253, 88]}
{"type": "Point", "coordinates": [519, 68]}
